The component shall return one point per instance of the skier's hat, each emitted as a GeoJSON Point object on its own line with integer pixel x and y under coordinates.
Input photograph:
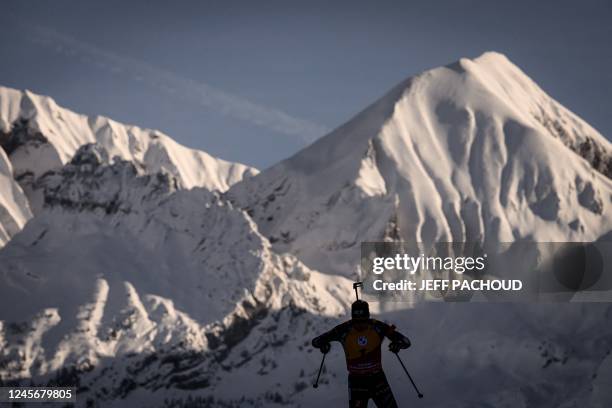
{"type": "Point", "coordinates": [360, 310]}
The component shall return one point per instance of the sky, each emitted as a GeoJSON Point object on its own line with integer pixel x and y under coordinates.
{"type": "Point", "coordinates": [254, 82]}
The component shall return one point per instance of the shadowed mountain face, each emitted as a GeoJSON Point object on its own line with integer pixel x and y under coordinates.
{"type": "Point", "coordinates": [152, 274]}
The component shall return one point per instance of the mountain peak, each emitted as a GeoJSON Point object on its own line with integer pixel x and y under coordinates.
{"type": "Point", "coordinates": [473, 151]}
{"type": "Point", "coordinates": [489, 85]}
{"type": "Point", "coordinates": [492, 57]}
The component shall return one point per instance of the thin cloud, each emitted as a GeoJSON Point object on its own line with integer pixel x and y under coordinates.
{"type": "Point", "coordinates": [205, 95]}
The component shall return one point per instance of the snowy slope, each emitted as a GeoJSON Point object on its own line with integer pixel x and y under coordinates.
{"type": "Point", "coordinates": [472, 151]}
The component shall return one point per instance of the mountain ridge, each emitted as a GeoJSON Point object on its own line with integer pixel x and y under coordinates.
{"type": "Point", "coordinates": [66, 131]}
{"type": "Point", "coordinates": [38, 136]}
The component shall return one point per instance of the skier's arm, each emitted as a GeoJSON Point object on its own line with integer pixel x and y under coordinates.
{"type": "Point", "coordinates": [322, 342]}
{"type": "Point", "coordinates": [398, 340]}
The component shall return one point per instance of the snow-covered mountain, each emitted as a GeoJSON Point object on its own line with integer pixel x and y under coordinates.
{"type": "Point", "coordinates": [474, 151]}
{"type": "Point", "coordinates": [37, 135]}
{"type": "Point", "coordinates": [123, 273]}
{"type": "Point", "coordinates": [152, 275]}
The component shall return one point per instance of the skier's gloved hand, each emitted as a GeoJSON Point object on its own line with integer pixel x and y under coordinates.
{"type": "Point", "coordinates": [321, 343]}
{"type": "Point", "coordinates": [404, 343]}
{"type": "Point", "coordinates": [399, 344]}
{"type": "Point", "coordinates": [395, 347]}
{"type": "Point", "coordinates": [325, 347]}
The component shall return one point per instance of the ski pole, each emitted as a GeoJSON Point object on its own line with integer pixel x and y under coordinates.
{"type": "Point", "coordinates": [409, 376]}
{"type": "Point", "coordinates": [316, 384]}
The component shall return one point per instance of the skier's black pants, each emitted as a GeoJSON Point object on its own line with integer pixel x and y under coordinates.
{"type": "Point", "coordinates": [375, 386]}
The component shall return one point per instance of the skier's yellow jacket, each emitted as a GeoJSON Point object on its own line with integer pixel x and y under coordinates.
{"type": "Point", "coordinates": [361, 340]}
